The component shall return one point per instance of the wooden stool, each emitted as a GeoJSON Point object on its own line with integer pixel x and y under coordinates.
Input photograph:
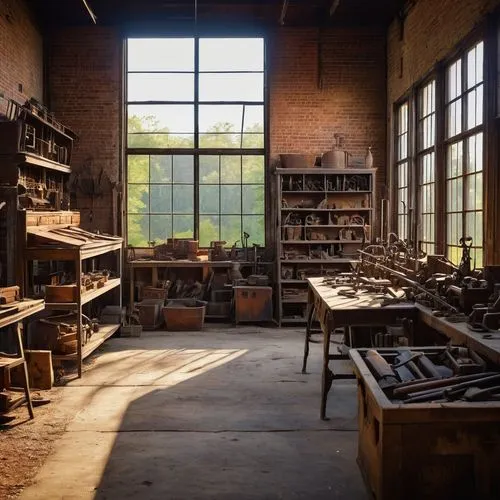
{"type": "Point", "coordinates": [7, 362]}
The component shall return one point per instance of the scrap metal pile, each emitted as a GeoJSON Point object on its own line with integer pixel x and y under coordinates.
{"type": "Point", "coordinates": [459, 293]}
{"type": "Point", "coordinates": [440, 374]}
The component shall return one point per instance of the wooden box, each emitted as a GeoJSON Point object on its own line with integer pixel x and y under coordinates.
{"type": "Point", "coordinates": [425, 450]}
{"type": "Point", "coordinates": [61, 293]}
{"type": "Point", "coordinates": [150, 315]}
{"type": "Point", "coordinates": [40, 370]}
{"type": "Point", "coordinates": [184, 314]}
{"type": "Point", "coordinates": [253, 303]}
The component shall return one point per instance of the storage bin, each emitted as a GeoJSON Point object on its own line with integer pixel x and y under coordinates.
{"type": "Point", "coordinates": [184, 314]}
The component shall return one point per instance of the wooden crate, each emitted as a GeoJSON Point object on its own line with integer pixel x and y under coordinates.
{"type": "Point", "coordinates": [61, 293]}
{"type": "Point", "coordinates": [150, 316]}
{"type": "Point", "coordinates": [425, 450]}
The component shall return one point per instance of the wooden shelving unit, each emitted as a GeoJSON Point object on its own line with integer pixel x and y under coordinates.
{"type": "Point", "coordinates": [37, 225]}
{"type": "Point", "coordinates": [46, 243]}
{"type": "Point", "coordinates": [324, 216]}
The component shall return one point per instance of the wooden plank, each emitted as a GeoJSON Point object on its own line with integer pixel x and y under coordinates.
{"type": "Point", "coordinates": [29, 307]}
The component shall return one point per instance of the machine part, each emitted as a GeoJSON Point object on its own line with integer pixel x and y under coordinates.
{"type": "Point", "coordinates": [464, 268]}
{"type": "Point", "coordinates": [412, 283]}
{"type": "Point", "coordinates": [381, 369]}
{"type": "Point", "coordinates": [406, 358]}
{"type": "Point", "coordinates": [428, 367]}
{"type": "Point", "coordinates": [476, 394]}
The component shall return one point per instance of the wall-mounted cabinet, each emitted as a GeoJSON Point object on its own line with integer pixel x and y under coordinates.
{"type": "Point", "coordinates": [324, 217]}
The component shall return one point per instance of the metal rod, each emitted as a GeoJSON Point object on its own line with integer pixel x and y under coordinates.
{"type": "Point", "coordinates": [91, 13]}
{"type": "Point", "coordinates": [411, 282]}
{"type": "Point", "coordinates": [334, 7]}
{"type": "Point", "coordinates": [284, 8]}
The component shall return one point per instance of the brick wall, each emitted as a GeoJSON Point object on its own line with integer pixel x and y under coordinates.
{"type": "Point", "coordinates": [345, 93]}
{"type": "Point", "coordinates": [85, 94]}
{"type": "Point", "coordinates": [21, 53]}
{"type": "Point", "coordinates": [432, 29]}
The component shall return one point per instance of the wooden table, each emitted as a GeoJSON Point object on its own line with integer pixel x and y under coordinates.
{"type": "Point", "coordinates": [13, 314]}
{"type": "Point", "coordinates": [333, 310]}
{"type": "Point", "coordinates": [203, 264]}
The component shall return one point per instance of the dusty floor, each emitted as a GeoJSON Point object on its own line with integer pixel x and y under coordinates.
{"type": "Point", "coordinates": [220, 414]}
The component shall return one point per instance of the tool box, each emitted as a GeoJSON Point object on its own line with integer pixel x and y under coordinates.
{"type": "Point", "coordinates": [424, 449]}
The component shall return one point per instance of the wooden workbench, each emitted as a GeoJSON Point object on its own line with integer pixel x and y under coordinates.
{"type": "Point", "coordinates": [203, 264]}
{"type": "Point", "coordinates": [460, 334]}
{"type": "Point", "coordinates": [13, 314]}
{"type": "Point", "coordinates": [333, 310]}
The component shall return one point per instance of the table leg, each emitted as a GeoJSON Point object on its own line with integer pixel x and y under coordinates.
{"type": "Point", "coordinates": [154, 276]}
{"type": "Point", "coordinates": [25, 369]}
{"type": "Point", "coordinates": [327, 375]}
{"type": "Point", "coordinates": [131, 306]}
{"type": "Point", "coordinates": [310, 316]}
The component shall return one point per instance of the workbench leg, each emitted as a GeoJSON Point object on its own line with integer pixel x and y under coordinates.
{"type": "Point", "coordinates": [154, 276]}
{"type": "Point", "coordinates": [310, 316]}
{"type": "Point", "coordinates": [327, 375]}
{"type": "Point", "coordinates": [131, 291]}
{"type": "Point", "coordinates": [25, 370]}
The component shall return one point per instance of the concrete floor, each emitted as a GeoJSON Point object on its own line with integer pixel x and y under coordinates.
{"type": "Point", "coordinates": [219, 414]}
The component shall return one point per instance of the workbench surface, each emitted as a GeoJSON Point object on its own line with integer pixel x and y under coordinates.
{"type": "Point", "coordinates": [460, 334]}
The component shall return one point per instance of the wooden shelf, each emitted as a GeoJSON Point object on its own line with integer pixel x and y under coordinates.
{"type": "Point", "coordinates": [345, 226]}
{"type": "Point", "coordinates": [40, 161]}
{"type": "Point", "coordinates": [86, 297]}
{"type": "Point", "coordinates": [20, 310]}
{"type": "Point", "coordinates": [340, 260]}
{"type": "Point", "coordinates": [301, 321]}
{"type": "Point", "coordinates": [322, 183]}
{"type": "Point", "coordinates": [325, 171]}
{"type": "Point", "coordinates": [97, 339]}
{"type": "Point", "coordinates": [319, 242]}
{"type": "Point", "coordinates": [325, 192]}
{"type": "Point", "coordinates": [326, 209]}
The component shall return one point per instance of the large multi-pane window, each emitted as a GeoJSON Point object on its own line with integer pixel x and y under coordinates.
{"type": "Point", "coordinates": [402, 169]}
{"type": "Point", "coordinates": [426, 167]}
{"type": "Point", "coordinates": [445, 152]}
{"type": "Point", "coordinates": [195, 140]}
{"type": "Point", "coordinates": [464, 153]}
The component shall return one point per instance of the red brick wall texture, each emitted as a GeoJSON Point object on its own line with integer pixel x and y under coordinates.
{"type": "Point", "coordinates": [85, 94]}
{"type": "Point", "coordinates": [431, 30]}
{"type": "Point", "coordinates": [21, 53]}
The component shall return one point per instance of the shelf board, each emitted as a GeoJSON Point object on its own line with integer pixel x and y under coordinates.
{"type": "Point", "coordinates": [97, 339]}
{"type": "Point", "coordinates": [325, 192]}
{"type": "Point", "coordinates": [301, 321]}
{"type": "Point", "coordinates": [295, 282]}
{"type": "Point", "coordinates": [325, 171]}
{"type": "Point", "coordinates": [319, 242]}
{"type": "Point", "coordinates": [326, 209]}
{"type": "Point", "coordinates": [294, 301]}
{"type": "Point", "coordinates": [345, 226]}
{"type": "Point", "coordinates": [86, 297]}
{"type": "Point", "coordinates": [340, 260]}
{"type": "Point", "coordinates": [40, 161]}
